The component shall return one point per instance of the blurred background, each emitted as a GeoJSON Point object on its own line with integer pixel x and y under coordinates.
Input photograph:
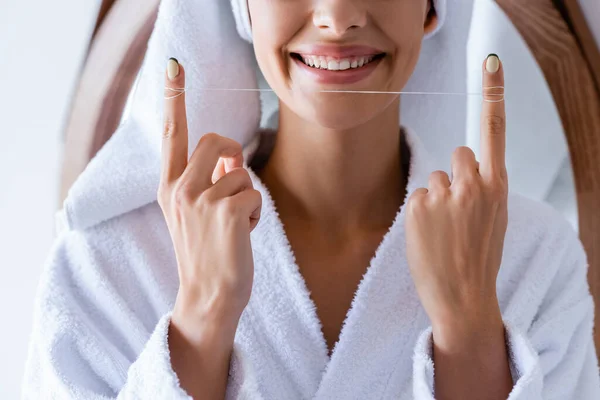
{"type": "Point", "coordinates": [44, 47]}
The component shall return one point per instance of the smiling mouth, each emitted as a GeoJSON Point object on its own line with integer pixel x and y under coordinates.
{"type": "Point", "coordinates": [335, 63]}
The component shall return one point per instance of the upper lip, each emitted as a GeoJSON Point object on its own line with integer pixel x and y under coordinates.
{"type": "Point", "coordinates": [337, 50]}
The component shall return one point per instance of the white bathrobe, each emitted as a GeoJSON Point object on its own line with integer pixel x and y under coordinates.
{"type": "Point", "coordinates": [106, 293]}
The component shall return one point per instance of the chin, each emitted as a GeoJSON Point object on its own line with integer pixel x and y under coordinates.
{"type": "Point", "coordinates": [340, 119]}
{"type": "Point", "coordinates": [343, 111]}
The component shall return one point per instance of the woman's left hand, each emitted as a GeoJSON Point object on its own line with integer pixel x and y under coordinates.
{"type": "Point", "coordinates": [455, 229]}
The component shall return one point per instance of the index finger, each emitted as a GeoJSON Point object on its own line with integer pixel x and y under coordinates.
{"type": "Point", "coordinates": [175, 133]}
{"type": "Point", "coordinates": [493, 120]}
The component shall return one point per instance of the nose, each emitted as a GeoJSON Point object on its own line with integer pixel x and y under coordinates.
{"type": "Point", "coordinates": [338, 16]}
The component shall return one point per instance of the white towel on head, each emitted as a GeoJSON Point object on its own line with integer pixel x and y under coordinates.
{"type": "Point", "coordinates": [203, 35]}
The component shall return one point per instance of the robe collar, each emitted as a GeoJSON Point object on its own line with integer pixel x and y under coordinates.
{"type": "Point", "coordinates": [379, 330]}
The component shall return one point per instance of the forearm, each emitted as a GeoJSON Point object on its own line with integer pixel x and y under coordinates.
{"type": "Point", "coordinates": [471, 358]}
{"type": "Point", "coordinates": [200, 354]}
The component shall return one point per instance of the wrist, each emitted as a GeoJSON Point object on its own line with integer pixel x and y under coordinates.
{"type": "Point", "coordinates": [479, 327]}
{"type": "Point", "coordinates": [210, 340]}
{"type": "Point", "coordinates": [200, 355]}
{"type": "Point", "coordinates": [211, 323]}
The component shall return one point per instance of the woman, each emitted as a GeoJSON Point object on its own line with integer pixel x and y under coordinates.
{"type": "Point", "coordinates": [385, 267]}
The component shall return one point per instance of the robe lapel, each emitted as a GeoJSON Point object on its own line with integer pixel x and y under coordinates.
{"type": "Point", "coordinates": [376, 344]}
{"type": "Point", "coordinates": [282, 313]}
{"type": "Point", "coordinates": [381, 326]}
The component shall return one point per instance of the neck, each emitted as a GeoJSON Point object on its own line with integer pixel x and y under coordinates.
{"type": "Point", "coordinates": [341, 180]}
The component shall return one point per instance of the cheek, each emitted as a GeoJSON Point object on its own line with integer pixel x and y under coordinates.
{"type": "Point", "coordinates": [274, 23]}
{"type": "Point", "coordinates": [271, 35]}
{"type": "Point", "coordinates": [406, 35]}
{"type": "Point", "coordinates": [406, 54]}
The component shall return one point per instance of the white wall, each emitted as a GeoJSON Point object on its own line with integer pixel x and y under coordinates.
{"type": "Point", "coordinates": [42, 45]}
{"type": "Point", "coordinates": [591, 10]}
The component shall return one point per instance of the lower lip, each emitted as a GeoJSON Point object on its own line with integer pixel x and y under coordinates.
{"type": "Point", "coordinates": [347, 76]}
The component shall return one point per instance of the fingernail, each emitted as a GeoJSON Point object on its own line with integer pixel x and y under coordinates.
{"type": "Point", "coordinates": [172, 68]}
{"type": "Point", "coordinates": [493, 63]}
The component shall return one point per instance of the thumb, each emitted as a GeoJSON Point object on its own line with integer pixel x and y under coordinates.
{"type": "Point", "coordinates": [233, 162]}
{"type": "Point", "coordinates": [226, 164]}
{"type": "Point", "coordinates": [219, 171]}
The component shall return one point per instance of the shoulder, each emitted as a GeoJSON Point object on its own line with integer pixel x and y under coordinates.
{"type": "Point", "coordinates": [121, 265]}
{"type": "Point", "coordinates": [534, 224]}
{"type": "Point", "coordinates": [101, 293]}
{"type": "Point", "coordinates": [543, 257]}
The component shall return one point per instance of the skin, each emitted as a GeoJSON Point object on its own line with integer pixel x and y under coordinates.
{"type": "Point", "coordinates": [319, 183]}
{"type": "Point", "coordinates": [455, 230]}
{"type": "Point", "coordinates": [455, 235]}
{"type": "Point", "coordinates": [209, 212]}
{"type": "Point", "coordinates": [329, 190]}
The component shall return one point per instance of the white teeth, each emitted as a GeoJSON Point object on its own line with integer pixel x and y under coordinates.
{"type": "Point", "coordinates": [333, 64]}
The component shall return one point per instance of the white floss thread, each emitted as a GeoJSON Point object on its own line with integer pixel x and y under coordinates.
{"type": "Point", "coordinates": [500, 95]}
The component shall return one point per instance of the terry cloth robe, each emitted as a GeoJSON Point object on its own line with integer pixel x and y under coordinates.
{"type": "Point", "coordinates": [106, 295]}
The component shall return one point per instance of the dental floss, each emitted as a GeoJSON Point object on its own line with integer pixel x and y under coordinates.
{"type": "Point", "coordinates": [501, 95]}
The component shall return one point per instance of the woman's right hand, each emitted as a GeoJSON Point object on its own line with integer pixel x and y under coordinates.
{"type": "Point", "coordinates": [210, 207]}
